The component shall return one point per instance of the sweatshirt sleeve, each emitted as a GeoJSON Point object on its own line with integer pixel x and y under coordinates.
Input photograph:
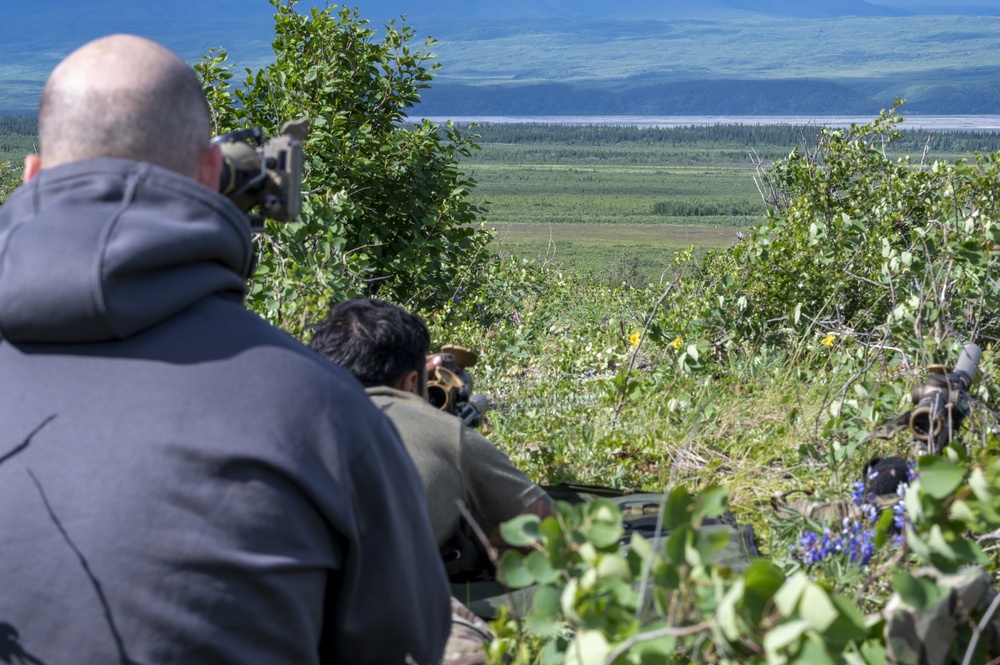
{"type": "Point", "coordinates": [498, 491]}
{"type": "Point", "coordinates": [393, 601]}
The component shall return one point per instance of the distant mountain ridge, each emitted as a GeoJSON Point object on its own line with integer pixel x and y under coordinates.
{"type": "Point", "coordinates": [65, 24]}
{"type": "Point", "coordinates": [37, 34]}
{"type": "Point", "coordinates": [432, 13]}
{"type": "Point", "coordinates": [592, 56]}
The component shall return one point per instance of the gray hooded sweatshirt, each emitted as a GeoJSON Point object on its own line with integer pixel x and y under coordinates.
{"type": "Point", "coordinates": [180, 482]}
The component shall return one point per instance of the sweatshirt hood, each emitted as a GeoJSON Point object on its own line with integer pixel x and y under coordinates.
{"type": "Point", "coordinates": [103, 249]}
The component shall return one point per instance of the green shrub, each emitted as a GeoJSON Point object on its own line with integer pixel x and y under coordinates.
{"type": "Point", "coordinates": [766, 365]}
{"type": "Point", "coordinates": [386, 209]}
{"type": "Point", "coordinates": [859, 245]}
{"type": "Point", "coordinates": [10, 178]}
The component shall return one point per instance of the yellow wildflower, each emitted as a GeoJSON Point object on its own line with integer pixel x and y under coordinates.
{"type": "Point", "coordinates": [829, 339]}
{"type": "Point", "coordinates": [678, 342]}
{"type": "Point", "coordinates": [634, 338]}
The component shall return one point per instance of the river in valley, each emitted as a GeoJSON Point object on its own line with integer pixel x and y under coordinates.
{"type": "Point", "coordinates": [925, 122]}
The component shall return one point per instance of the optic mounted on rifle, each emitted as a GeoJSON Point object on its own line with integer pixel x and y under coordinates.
{"type": "Point", "coordinates": [449, 388]}
{"type": "Point", "coordinates": [266, 174]}
{"type": "Point", "coordinates": [940, 404]}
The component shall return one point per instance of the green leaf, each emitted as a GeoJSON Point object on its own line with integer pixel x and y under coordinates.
{"type": "Point", "coordinates": [604, 535]}
{"type": "Point", "coordinates": [538, 565]}
{"type": "Point", "coordinates": [551, 529]}
{"type": "Point", "coordinates": [784, 635]}
{"type": "Point", "coordinates": [709, 540]}
{"type": "Point", "coordinates": [850, 626]}
{"type": "Point", "coordinates": [554, 653]}
{"type": "Point", "coordinates": [882, 526]}
{"type": "Point", "coordinates": [725, 613]}
{"type": "Point", "coordinates": [521, 531]}
{"type": "Point", "coordinates": [956, 548]}
{"type": "Point", "coordinates": [589, 647]}
{"type": "Point", "coordinates": [787, 597]}
{"type": "Point", "coordinates": [613, 566]}
{"type": "Point", "coordinates": [513, 572]}
{"type": "Point", "coordinates": [603, 510]}
{"type": "Point", "coordinates": [641, 546]}
{"type": "Point", "coordinates": [939, 477]}
{"type": "Point", "coordinates": [814, 652]}
{"type": "Point", "coordinates": [873, 653]}
{"type": "Point", "coordinates": [918, 545]}
{"type": "Point", "coordinates": [677, 510]}
{"type": "Point", "coordinates": [981, 486]}
{"type": "Point", "coordinates": [962, 511]}
{"type": "Point", "coordinates": [568, 598]}
{"type": "Point", "coordinates": [920, 593]}
{"type": "Point", "coordinates": [544, 618]}
{"type": "Point", "coordinates": [676, 545]}
{"type": "Point", "coordinates": [547, 601]}
{"type": "Point", "coordinates": [817, 608]}
{"type": "Point", "coordinates": [712, 502]}
{"type": "Point", "coordinates": [912, 503]}
{"type": "Point", "coordinates": [762, 579]}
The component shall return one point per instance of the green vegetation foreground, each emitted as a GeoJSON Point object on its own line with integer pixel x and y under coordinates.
{"type": "Point", "coordinates": [756, 374]}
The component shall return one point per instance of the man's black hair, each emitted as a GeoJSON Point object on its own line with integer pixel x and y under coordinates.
{"type": "Point", "coordinates": [375, 341]}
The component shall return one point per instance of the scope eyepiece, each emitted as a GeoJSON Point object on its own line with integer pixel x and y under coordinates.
{"type": "Point", "coordinates": [266, 174]}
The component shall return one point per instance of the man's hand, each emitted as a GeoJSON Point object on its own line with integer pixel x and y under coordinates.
{"type": "Point", "coordinates": [434, 360]}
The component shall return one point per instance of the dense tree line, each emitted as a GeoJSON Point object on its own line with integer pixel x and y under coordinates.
{"type": "Point", "coordinates": [18, 135]}
{"type": "Point", "coordinates": [785, 136]}
{"type": "Point", "coordinates": [22, 124]}
{"type": "Point", "coordinates": [600, 135]}
{"type": "Point", "coordinates": [20, 131]}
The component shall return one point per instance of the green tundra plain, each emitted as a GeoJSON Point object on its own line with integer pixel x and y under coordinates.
{"type": "Point", "coordinates": [616, 201]}
{"type": "Point", "coordinates": [620, 202]}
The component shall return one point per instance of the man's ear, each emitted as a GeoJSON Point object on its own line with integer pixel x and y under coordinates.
{"type": "Point", "coordinates": [210, 167]}
{"type": "Point", "coordinates": [32, 165]}
{"type": "Point", "coordinates": [408, 382]}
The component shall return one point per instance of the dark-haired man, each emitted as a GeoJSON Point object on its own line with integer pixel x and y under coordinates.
{"type": "Point", "coordinates": [385, 347]}
{"type": "Point", "coordinates": [180, 482]}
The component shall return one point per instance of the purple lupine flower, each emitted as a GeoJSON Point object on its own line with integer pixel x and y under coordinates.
{"type": "Point", "coordinates": [858, 494]}
{"type": "Point", "coordinates": [854, 540]}
{"type": "Point", "coordinates": [899, 515]}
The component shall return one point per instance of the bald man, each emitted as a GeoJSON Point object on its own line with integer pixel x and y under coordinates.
{"type": "Point", "coordinates": [180, 482]}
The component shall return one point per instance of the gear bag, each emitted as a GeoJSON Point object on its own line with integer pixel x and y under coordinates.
{"type": "Point", "coordinates": [640, 512]}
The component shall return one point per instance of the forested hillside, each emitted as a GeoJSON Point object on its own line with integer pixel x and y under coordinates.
{"type": "Point", "coordinates": [735, 136]}
{"type": "Point", "coordinates": [939, 64]}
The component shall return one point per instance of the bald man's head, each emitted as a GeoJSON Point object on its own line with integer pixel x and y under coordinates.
{"type": "Point", "coordinates": [124, 96]}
